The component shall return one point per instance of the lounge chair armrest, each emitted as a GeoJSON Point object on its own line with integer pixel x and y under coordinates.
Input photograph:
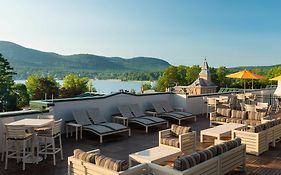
{"type": "Point", "coordinates": [178, 109]}
{"type": "Point", "coordinates": [94, 151]}
{"type": "Point", "coordinates": [164, 133]}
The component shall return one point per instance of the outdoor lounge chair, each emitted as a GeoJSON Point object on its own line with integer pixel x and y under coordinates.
{"type": "Point", "coordinates": [145, 121]}
{"type": "Point", "coordinates": [165, 110]}
{"type": "Point", "coordinates": [101, 129]}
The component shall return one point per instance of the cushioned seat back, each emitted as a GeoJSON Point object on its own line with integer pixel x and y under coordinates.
{"type": "Point", "coordinates": [255, 115]}
{"type": "Point", "coordinates": [224, 112]}
{"type": "Point", "coordinates": [112, 164]}
{"type": "Point", "coordinates": [178, 130]}
{"type": "Point", "coordinates": [238, 114]}
{"type": "Point", "coordinates": [167, 107]}
{"type": "Point", "coordinates": [88, 157]}
{"type": "Point", "coordinates": [94, 114]}
{"type": "Point", "coordinates": [81, 117]}
{"type": "Point", "coordinates": [188, 161]}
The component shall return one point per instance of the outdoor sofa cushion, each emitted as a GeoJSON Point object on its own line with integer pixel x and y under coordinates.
{"type": "Point", "coordinates": [188, 161]}
{"type": "Point", "coordinates": [88, 157]}
{"type": "Point", "coordinates": [178, 130]}
{"type": "Point", "coordinates": [112, 164]}
{"type": "Point", "coordinates": [171, 141]}
{"type": "Point", "coordinates": [238, 114]}
{"type": "Point", "coordinates": [256, 115]}
{"type": "Point", "coordinates": [223, 112]}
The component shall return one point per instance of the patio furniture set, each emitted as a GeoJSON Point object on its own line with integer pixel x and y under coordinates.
{"type": "Point", "coordinates": [24, 136]}
{"type": "Point", "coordinates": [218, 159]}
{"type": "Point", "coordinates": [91, 120]}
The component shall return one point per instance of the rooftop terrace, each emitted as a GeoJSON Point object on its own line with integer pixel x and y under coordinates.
{"type": "Point", "coordinates": [120, 146]}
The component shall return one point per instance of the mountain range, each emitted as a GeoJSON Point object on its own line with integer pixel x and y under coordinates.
{"type": "Point", "coordinates": [26, 61]}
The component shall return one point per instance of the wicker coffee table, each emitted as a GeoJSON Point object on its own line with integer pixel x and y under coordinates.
{"type": "Point", "coordinates": [157, 155]}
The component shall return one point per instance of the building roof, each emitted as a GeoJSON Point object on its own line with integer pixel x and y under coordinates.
{"type": "Point", "coordinates": [199, 82]}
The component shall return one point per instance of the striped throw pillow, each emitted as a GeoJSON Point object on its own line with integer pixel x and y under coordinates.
{"type": "Point", "coordinates": [186, 162]}
{"type": "Point", "coordinates": [255, 115]}
{"type": "Point", "coordinates": [88, 157]}
{"type": "Point", "coordinates": [238, 114]}
{"type": "Point", "coordinates": [178, 130]}
{"type": "Point", "coordinates": [112, 164]}
{"type": "Point", "coordinates": [224, 112]}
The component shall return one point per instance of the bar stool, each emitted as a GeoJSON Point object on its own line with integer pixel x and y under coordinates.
{"type": "Point", "coordinates": [5, 121]}
{"type": "Point", "coordinates": [211, 103]}
{"type": "Point", "coordinates": [51, 134]}
{"type": "Point", "coordinates": [18, 135]}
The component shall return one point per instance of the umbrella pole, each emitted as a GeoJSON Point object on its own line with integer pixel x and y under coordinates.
{"type": "Point", "coordinates": [252, 84]}
{"type": "Point", "coordinates": [244, 86]}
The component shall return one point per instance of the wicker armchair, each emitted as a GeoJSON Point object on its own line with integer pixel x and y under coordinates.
{"type": "Point", "coordinates": [178, 137]}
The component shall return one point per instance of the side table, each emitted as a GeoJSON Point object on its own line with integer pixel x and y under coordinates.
{"type": "Point", "coordinates": [77, 128]}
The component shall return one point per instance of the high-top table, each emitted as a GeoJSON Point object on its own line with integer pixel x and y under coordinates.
{"type": "Point", "coordinates": [221, 130]}
{"type": "Point", "coordinates": [33, 123]}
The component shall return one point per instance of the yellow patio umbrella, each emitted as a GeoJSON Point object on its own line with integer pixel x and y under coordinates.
{"type": "Point", "coordinates": [277, 92]}
{"type": "Point", "coordinates": [245, 74]}
{"type": "Point", "coordinates": [276, 78]}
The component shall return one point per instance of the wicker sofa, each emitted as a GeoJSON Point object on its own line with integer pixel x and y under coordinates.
{"type": "Point", "coordinates": [219, 159]}
{"type": "Point", "coordinates": [179, 137]}
{"type": "Point", "coordinates": [260, 137]}
{"type": "Point", "coordinates": [92, 163]}
{"type": "Point", "coordinates": [225, 115]}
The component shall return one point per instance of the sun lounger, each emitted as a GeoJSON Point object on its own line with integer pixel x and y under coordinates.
{"type": "Point", "coordinates": [160, 107]}
{"type": "Point", "coordinates": [102, 129]}
{"type": "Point", "coordinates": [141, 120]}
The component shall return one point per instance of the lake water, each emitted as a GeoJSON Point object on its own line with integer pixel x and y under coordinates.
{"type": "Point", "coordinates": [108, 86]}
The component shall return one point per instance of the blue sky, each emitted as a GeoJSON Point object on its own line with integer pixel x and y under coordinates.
{"type": "Point", "coordinates": [226, 32]}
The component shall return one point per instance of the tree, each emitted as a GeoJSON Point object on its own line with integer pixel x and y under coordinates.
{"type": "Point", "coordinates": [219, 77]}
{"type": "Point", "coordinates": [20, 91]}
{"type": "Point", "coordinates": [7, 100]}
{"type": "Point", "coordinates": [145, 86]}
{"type": "Point", "coordinates": [42, 87]}
{"type": "Point", "coordinates": [74, 85]}
{"type": "Point", "coordinates": [192, 74]}
{"type": "Point", "coordinates": [169, 78]}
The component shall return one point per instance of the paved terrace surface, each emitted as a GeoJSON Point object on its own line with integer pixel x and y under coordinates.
{"type": "Point", "coordinates": [120, 146]}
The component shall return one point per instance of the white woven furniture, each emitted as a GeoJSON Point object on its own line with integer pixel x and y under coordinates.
{"type": "Point", "coordinates": [5, 121]}
{"type": "Point", "coordinates": [218, 165]}
{"type": "Point", "coordinates": [80, 167]}
{"type": "Point", "coordinates": [211, 104]}
{"type": "Point", "coordinates": [187, 141]}
{"type": "Point", "coordinates": [18, 136]}
{"type": "Point", "coordinates": [221, 130]}
{"type": "Point", "coordinates": [78, 128]}
{"type": "Point", "coordinates": [31, 124]}
{"type": "Point", "coordinates": [157, 155]}
{"type": "Point", "coordinates": [50, 148]}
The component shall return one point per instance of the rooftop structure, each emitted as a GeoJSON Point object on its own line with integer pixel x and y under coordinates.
{"type": "Point", "coordinates": [202, 85]}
